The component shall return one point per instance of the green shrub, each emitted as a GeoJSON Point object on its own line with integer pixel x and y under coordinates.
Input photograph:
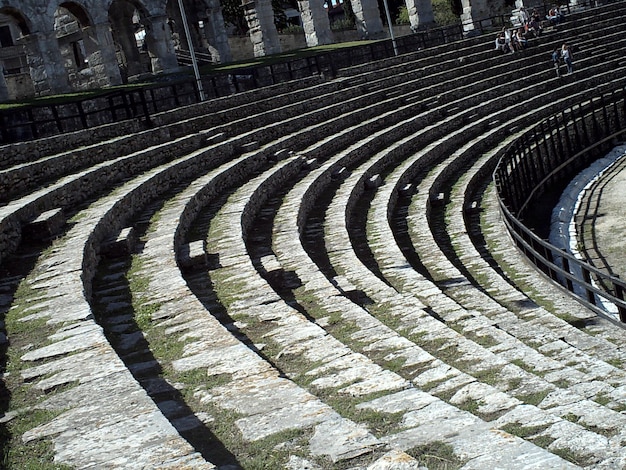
{"type": "Point", "coordinates": [342, 24]}
{"type": "Point", "coordinates": [403, 16]}
{"type": "Point", "coordinates": [293, 29]}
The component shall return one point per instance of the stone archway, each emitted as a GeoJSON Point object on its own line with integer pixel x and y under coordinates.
{"type": "Point", "coordinates": [15, 80]}
{"type": "Point", "coordinates": [87, 48]}
{"type": "Point", "coordinates": [129, 37]}
{"type": "Point", "coordinates": [143, 39]}
{"type": "Point", "coordinates": [206, 27]}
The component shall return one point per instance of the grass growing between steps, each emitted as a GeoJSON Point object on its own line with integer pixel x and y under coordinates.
{"type": "Point", "coordinates": [19, 398]}
{"type": "Point", "coordinates": [519, 278]}
{"type": "Point", "coordinates": [436, 455]}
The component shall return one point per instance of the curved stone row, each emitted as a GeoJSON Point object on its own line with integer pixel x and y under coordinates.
{"type": "Point", "coordinates": [342, 350]}
{"type": "Point", "coordinates": [304, 270]}
{"type": "Point", "coordinates": [359, 280]}
{"type": "Point", "coordinates": [334, 248]}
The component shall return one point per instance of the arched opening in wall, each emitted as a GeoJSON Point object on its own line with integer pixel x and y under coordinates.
{"type": "Point", "coordinates": [70, 21]}
{"type": "Point", "coordinates": [205, 23]}
{"type": "Point", "coordinates": [129, 34]}
{"type": "Point", "coordinates": [13, 58]}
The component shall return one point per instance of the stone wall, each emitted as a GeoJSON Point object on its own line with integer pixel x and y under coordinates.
{"type": "Point", "coordinates": [19, 86]}
{"type": "Point", "coordinates": [241, 47]}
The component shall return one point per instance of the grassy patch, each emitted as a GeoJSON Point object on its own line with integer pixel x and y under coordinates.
{"type": "Point", "coordinates": [525, 432]}
{"type": "Point", "coordinates": [533, 398]}
{"type": "Point", "coordinates": [528, 368]}
{"type": "Point", "coordinates": [382, 313]}
{"type": "Point", "coordinates": [485, 341]}
{"type": "Point", "coordinates": [488, 376]}
{"type": "Point", "coordinates": [273, 451]}
{"type": "Point", "coordinates": [512, 384]}
{"type": "Point", "coordinates": [68, 97]}
{"type": "Point", "coordinates": [574, 457]}
{"type": "Point", "coordinates": [436, 455]}
{"type": "Point", "coordinates": [281, 57]}
{"type": "Point", "coordinates": [139, 286]}
{"type": "Point", "coordinates": [602, 399]}
{"type": "Point", "coordinates": [433, 384]}
{"type": "Point", "coordinates": [561, 383]}
{"type": "Point", "coordinates": [379, 423]}
{"type": "Point", "coordinates": [615, 362]}
{"type": "Point", "coordinates": [571, 417]}
{"type": "Point", "coordinates": [470, 406]}
{"type": "Point", "coordinates": [35, 455]}
{"type": "Point", "coordinates": [543, 441]}
{"type": "Point", "coordinates": [19, 397]}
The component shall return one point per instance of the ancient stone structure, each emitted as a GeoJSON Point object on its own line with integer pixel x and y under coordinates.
{"type": "Point", "coordinates": [420, 14]}
{"type": "Point", "coordinates": [368, 21]}
{"type": "Point", "coordinates": [60, 46]}
{"type": "Point", "coordinates": [316, 23]}
{"type": "Point", "coordinates": [63, 46]}
{"type": "Point", "coordinates": [263, 33]}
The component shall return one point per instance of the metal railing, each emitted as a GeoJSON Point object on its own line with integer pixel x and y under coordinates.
{"type": "Point", "coordinates": [35, 121]}
{"type": "Point", "coordinates": [31, 122]}
{"type": "Point", "coordinates": [537, 167]}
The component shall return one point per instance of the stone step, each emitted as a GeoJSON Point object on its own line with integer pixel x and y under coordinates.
{"type": "Point", "coordinates": [244, 390]}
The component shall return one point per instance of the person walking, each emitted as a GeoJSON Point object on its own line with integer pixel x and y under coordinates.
{"type": "Point", "coordinates": [566, 53]}
{"type": "Point", "coordinates": [556, 61]}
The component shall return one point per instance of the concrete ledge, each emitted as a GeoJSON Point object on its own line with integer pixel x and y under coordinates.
{"type": "Point", "coordinates": [120, 246]}
{"type": "Point", "coordinates": [45, 226]}
{"type": "Point", "coordinates": [373, 182]}
{"type": "Point", "coordinates": [193, 255]}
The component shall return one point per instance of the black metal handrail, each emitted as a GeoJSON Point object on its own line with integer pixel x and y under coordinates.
{"type": "Point", "coordinates": [547, 157]}
{"type": "Point", "coordinates": [31, 122]}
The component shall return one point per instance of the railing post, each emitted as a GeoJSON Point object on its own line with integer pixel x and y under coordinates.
{"type": "Point", "coordinates": [81, 113]}
{"type": "Point", "coordinates": [57, 120]}
{"type": "Point", "coordinates": [33, 124]}
{"type": "Point", "coordinates": [144, 107]}
{"type": "Point", "coordinates": [587, 278]}
{"type": "Point", "coordinates": [568, 281]}
{"type": "Point", "coordinates": [619, 293]}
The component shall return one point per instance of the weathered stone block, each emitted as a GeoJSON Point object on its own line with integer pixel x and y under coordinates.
{"type": "Point", "coordinates": [373, 182]}
{"type": "Point", "coordinates": [407, 189]}
{"type": "Point", "coordinates": [45, 226]}
{"type": "Point", "coordinates": [122, 245]}
{"type": "Point", "coordinates": [193, 255]}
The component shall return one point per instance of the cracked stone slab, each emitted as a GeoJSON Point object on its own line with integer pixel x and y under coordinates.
{"type": "Point", "coordinates": [89, 337]}
{"type": "Point", "coordinates": [340, 439]}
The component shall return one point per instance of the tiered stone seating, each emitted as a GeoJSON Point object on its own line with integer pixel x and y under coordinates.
{"type": "Point", "coordinates": [342, 318]}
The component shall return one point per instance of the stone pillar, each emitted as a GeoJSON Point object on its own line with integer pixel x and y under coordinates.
{"type": "Point", "coordinates": [45, 63]}
{"type": "Point", "coordinates": [175, 23]}
{"type": "Point", "coordinates": [368, 22]}
{"type": "Point", "coordinates": [472, 11]}
{"type": "Point", "coordinates": [101, 55]}
{"type": "Point", "coordinates": [159, 43]}
{"type": "Point", "coordinates": [215, 33]}
{"type": "Point", "coordinates": [4, 91]}
{"type": "Point", "coordinates": [124, 33]}
{"type": "Point", "coordinates": [260, 18]}
{"type": "Point", "coordinates": [421, 14]}
{"type": "Point", "coordinates": [316, 23]}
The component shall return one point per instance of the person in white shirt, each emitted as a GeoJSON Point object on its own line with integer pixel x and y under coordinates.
{"type": "Point", "coordinates": [566, 54]}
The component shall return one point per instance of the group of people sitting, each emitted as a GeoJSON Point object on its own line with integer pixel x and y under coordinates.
{"type": "Point", "coordinates": [511, 41]}
{"type": "Point", "coordinates": [516, 39]}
